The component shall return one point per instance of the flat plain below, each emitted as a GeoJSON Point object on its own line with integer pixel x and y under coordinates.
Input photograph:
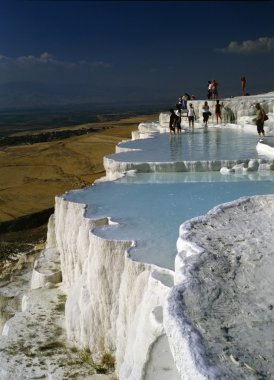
{"type": "Point", "coordinates": [31, 175]}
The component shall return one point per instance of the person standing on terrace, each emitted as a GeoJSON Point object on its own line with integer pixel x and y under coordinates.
{"type": "Point", "coordinates": [243, 82]}
{"type": "Point", "coordinates": [180, 102]}
{"type": "Point", "coordinates": [185, 98]}
{"type": "Point", "coordinates": [214, 89]}
{"type": "Point", "coordinates": [209, 92]}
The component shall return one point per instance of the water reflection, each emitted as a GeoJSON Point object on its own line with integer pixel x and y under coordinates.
{"type": "Point", "coordinates": [175, 147]}
{"type": "Point", "coordinates": [199, 144]}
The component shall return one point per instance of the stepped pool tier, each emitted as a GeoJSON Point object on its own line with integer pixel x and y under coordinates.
{"type": "Point", "coordinates": [203, 149]}
{"type": "Point", "coordinates": [148, 208]}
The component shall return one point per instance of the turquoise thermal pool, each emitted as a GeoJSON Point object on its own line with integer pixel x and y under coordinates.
{"type": "Point", "coordinates": [214, 143]}
{"type": "Point", "coordinates": [149, 208]}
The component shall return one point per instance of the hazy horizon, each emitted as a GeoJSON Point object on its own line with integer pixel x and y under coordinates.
{"type": "Point", "coordinates": [76, 52]}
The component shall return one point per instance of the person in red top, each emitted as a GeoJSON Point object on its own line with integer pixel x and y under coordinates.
{"type": "Point", "coordinates": [243, 82]}
{"type": "Point", "coordinates": [214, 89]}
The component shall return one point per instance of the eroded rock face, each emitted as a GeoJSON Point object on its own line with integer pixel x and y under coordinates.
{"type": "Point", "coordinates": [34, 343]}
{"type": "Point", "coordinates": [114, 304]}
{"type": "Point", "coordinates": [221, 311]}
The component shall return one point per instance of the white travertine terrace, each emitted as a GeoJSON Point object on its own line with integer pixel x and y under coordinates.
{"type": "Point", "coordinates": [239, 110]}
{"type": "Point", "coordinates": [220, 314]}
{"type": "Point", "coordinates": [265, 149]}
{"type": "Point", "coordinates": [114, 304]}
{"type": "Point", "coordinates": [195, 322]}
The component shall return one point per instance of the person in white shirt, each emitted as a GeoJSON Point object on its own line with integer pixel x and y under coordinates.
{"type": "Point", "coordinates": [206, 113]}
{"type": "Point", "coordinates": [178, 112]}
{"type": "Point", "coordinates": [191, 115]}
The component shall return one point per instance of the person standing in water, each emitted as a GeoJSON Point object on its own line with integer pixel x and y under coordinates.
{"type": "Point", "coordinates": [178, 112]}
{"type": "Point", "coordinates": [172, 121]}
{"type": "Point", "coordinates": [206, 113]}
{"type": "Point", "coordinates": [218, 111]}
{"type": "Point", "coordinates": [191, 115]}
{"type": "Point", "coordinates": [260, 121]}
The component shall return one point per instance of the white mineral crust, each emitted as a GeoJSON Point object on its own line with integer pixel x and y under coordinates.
{"type": "Point", "coordinates": [114, 304]}
{"type": "Point", "coordinates": [219, 316]}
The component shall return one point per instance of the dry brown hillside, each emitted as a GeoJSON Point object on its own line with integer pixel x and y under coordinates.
{"type": "Point", "coordinates": [31, 175]}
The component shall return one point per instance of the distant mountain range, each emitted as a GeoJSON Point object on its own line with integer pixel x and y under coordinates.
{"type": "Point", "coordinates": [32, 95]}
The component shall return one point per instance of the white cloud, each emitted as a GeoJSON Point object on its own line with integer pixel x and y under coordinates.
{"type": "Point", "coordinates": [49, 59]}
{"type": "Point", "coordinates": [47, 68]}
{"type": "Point", "coordinates": [261, 45]}
{"type": "Point", "coordinates": [46, 56]}
{"type": "Point", "coordinates": [3, 58]}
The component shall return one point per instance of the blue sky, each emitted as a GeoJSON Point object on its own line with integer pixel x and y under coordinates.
{"type": "Point", "coordinates": [140, 51]}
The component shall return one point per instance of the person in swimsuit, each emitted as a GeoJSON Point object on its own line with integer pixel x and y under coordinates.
{"type": "Point", "coordinates": [214, 89]}
{"type": "Point", "coordinates": [243, 82]}
{"type": "Point", "coordinates": [218, 111]}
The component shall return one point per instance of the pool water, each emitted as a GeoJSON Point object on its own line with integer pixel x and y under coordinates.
{"type": "Point", "coordinates": [150, 207]}
{"type": "Point", "coordinates": [214, 143]}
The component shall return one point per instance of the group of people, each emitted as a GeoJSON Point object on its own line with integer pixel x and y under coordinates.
{"type": "Point", "coordinates": [176, 117]}
{"type": "Point", "coordinates": [212, 90]}
{"type": "Point", "coordinates": [207, 113]}
{"type": "Point", "coordinates": [182, 101]}
{"type": "Point", "coordinates": [182, 106]}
